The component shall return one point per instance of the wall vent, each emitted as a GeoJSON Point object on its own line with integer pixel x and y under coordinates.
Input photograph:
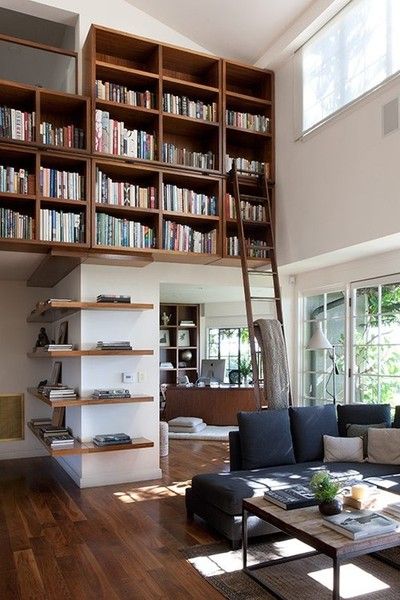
{"type": "Point", "coordinates": [390, 116]}
{"type": "Point", "coordinates": [11, 417]}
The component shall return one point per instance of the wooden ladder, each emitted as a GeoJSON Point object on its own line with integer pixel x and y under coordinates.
{"type": "Point", "coordinates": [261, 195]}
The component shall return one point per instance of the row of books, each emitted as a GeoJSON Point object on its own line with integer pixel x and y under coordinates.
{"type": "Point", "coordinates": [234, 250]}
{"type": "Point", "coordinates": [188, 201]}
{"type": "Point", "coordinates": [182, 156]}
{"type": "Point", "coordinates": [61, 226]}
{"type": "Point", "coordinates": [17, 124]}
{"type": "Point", "coordinates": [59, 392]}
{"type": "Point", "coordinates": [58, 347]}
{"type": "Point", "coordinates": [249, 210]}
{"type": "Point", "coordinates": [112, 137]}
{"type": "Point", "coordinates": [123, 95]}
{"type": "Point", "coordinates": [112, 231]}
{"type": "Point", "coordinates": [245, 120]}
{"type": "Point", "coordinates": [52, 435]}
{"type": "Point", "coordinates": [186, 239]}
{"type": "Point", "coordinates": [61, 184]}
{"type": "Point", "coordinates": [196, 109]}
{"type": "Point", "coordinates": [68, 136]}
{"type": "Point", "coordinates": [119, 345]}
{"type": "Point", "coordinates": [16, 181]}
{"type": "Point", "coordinates": [247, 165]}
{"type": "Point", "coordinates": [16, 225]}
{"type": "Point", "coordinates": [123, 193]}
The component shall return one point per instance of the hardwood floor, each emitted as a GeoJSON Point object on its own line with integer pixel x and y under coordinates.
{"type": "Point", "coordinates": [113, 542]}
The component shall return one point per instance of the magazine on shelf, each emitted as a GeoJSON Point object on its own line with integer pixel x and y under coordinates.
{"type": "Point", "coordinates": [289, 498]}
{"type": "Point", "coordinates": [361, 524]}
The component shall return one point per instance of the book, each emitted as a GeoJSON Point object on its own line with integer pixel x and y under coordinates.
{"type": "Point", "coordinates": [361, 524]}
{"type": "Point", "coordinates": [111, 439]}
{"type": "Point", "coordinates": [289, 498]}
{"type": "Point", "coordinates": [393, 509]}
{"type": "Point", "coordinates": [118, 298]}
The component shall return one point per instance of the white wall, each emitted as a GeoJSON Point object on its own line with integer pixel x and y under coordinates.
{"type": "Point", "coordinates": [340, 186]}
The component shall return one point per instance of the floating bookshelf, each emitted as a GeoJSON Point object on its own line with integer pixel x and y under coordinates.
{"type": "Point", "coordinates": [48, 312]}
{"type": "Point", "coordinates": [97, 353]}
{"type": "Point", "coordinates": [88, 401]}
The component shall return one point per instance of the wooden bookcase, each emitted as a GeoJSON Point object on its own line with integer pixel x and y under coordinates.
{"type": "Point", "coordinates": [180, 338]}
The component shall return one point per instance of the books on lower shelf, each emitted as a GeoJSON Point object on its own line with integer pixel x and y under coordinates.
{"type": "Point", "coordinates": [16, 181]}
{"type": "Point", "coordinates": [186, 239]}
{"type": "Point", "coordinates": [250, 211]}
{"type": "Point", "coordinates": [61, 184]}
{"type": "Point", "coordinates": [182, 156]}
{"type": "Point", "coordinates": [117, 298]}
{"type": "Point", "coordinates": [52, 435]}
{"type": "Point", "coordinates": [67, 136]}
{"type": "Point", "coordinates": [110, 394]}
{"type": "Point", "coordinates": [196, 109]}
{"type": "Point", "coordinates": [114, 92]}
{"type": "Point", "coordinates": [122, 193]}
{"type": "Point", "coordinates": [58, 347]}
{"type": "Point", "coordinates": [112, 137]}
{"type": "Point", "coordinates": [361, 524]}
{"type": "Point", "coordinates": [234, 250]}
{"type": "Point", "coordinates": [289, 498]}
{"type": "Point", "coordinates": [58, 392]}
{"type": "Point", "coordinates": [188, 201]}
{"type": "Point", "coordinates": [61, 226]}
{"type": "Point", "coordinates": [112, 439]}
{"type": "Point", "coordinates": [112, 231]}
{"type": "Point", "coordinates": [17, 124]}
{"type": "Point", "coordinates": [244, 120]}
{"type": "Point", "coordinates": [118, 345]}
{"type": "Point", "coordinates": [255, 166]}
{"type": "Point", "coordinates": [13, 224]}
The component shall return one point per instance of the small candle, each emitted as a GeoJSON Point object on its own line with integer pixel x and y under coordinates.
{"type": "Point", "coordinates": [359, 492]}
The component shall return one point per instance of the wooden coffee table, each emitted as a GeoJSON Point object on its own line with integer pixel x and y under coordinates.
{"type": "Point", "coordinates": [306, 525]}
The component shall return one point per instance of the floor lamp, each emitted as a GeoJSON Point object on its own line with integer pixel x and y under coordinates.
{"type": "Point", "coordinates": [319, 341]}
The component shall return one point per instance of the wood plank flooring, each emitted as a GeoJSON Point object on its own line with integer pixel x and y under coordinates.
{"type": "Point", "coordinates": [113, 542]}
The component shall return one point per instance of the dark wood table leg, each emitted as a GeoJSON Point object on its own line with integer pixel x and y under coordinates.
{"type": "Point", "coordinates": [244, 537]}
{"type": "Point", "coordinates": [336, 580]}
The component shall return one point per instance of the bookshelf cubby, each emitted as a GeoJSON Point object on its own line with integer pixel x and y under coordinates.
{"type": "Point", "coordinates": [183, 356]}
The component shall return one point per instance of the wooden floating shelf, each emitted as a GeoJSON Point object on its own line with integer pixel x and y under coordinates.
{"type": "Point", "coordinates": [90, 447]}
{"type": "Point", "coordinates": [88, 401]}
{"type": "Point", "coordinates": [74, 353]}
{"type": "Point", "coordinates": [48, 312]}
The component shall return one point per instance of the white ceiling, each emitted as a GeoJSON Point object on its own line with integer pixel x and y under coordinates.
{"type": "Point", "coordinates": [229, 28]}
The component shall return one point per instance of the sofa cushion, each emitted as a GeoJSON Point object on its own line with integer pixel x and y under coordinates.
{"type": "Point", "coordinates": [362, 414]}
{"type": "Point", "coordinates": [384, 446]}
{"type": "Point", "coordinates": [308, 425]}
{"type": "Point", "coordinates": [396, 420]}
{"type": "Point", "coordinates": [265, 439]}
{"type": "Point", "coordinates": [185, 422]}
{"type": "Point", "coordinates": [356, 430]}
{"type": "Point", "coordinates": [227, 490]}
{"type": "Point", "coordinates": [343, 449]}
{"type": "Point", "coordinates": [194, 429]}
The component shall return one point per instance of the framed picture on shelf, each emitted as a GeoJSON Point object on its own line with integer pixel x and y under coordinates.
{"type": "Point", "coordinates": [183, 337]}
{"type": "Point", "coordinates": [164, 337]}
{"type": "Point", "coordinates": [55, 376]}
{"type": "Point", "coordinates": [63, 333]}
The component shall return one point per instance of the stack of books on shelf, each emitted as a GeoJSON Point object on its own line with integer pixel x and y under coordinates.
{"type": "Point", "coordinates": [61, 226]}
{"type": "Point", "coordinates": [120, 93]}
{"type": "Point", "coordinates": [233, 247]}
{"type": "Point", "coordinates": [112, 231]}
{"type": "Point", "coordinates": [188, 201]}
{"type": "Point", "coordinates": [182, 156]}
{"type": "Point", "coordinates": [122, 193]}
{"type": "Point", "coordinates": [290, 498]}
{"type": "Point", "coordinates": [249, 210]}
{"type": "Point", "coordinates": [186, 239]}
{"type": "Point", "coordinates": [17, 124]}
{"type": "Point", "coordinates": [112, 137]}
{"type": "Point", "coordinates": [16, 181]}
{"type": "Point", "coordinates": [248, 121]}
{"type": "Point", "coordinates": [15, 225]}
{"type": "Point", "coordinates": [52, 435]}
{"type": "Point", "coordinates": [393, 510]}
{"type": "Point", "coordinates": [68, 136]}
{"type": "Point", "coordinates": [361, 524]}
{"type": "Point", "coordinates": [255, 166]}
{"type": "Point", "coordinates": [118, 345]}
{"type": "Point", "coordinates": [112, 439]}
{"type": "Point", "coordinates": [58, 392]}
{"type": "Point", "coordinates": [110, 394]}
{"type": "Point", "coordinates": [116, 298]}
{"type": "Point", "coordinates": [61, 184]}
{"type": "Point", "coordinates": [196, 109]}
{"type": "Point", "coordinates": [58, 347]}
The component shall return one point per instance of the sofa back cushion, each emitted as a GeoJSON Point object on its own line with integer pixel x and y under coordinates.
{"type": "Point", "coordinates": [309, 424]}
{"type": "Point", "coordinates": [362, 414]}
{"type": "Point", "coordinates": [396, 420]}
{"type": "Point", "coordinates": [265, 439]}
{"type": "Point", "coordinates": [384, 446]}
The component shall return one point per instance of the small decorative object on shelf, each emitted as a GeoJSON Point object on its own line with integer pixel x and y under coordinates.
{"type": "Point", "coordinates": [186, 357]}
{"type": "Point", "coordinates": [183, 337]}
{"type": "Point", "coordinates": [165, 319]}
{"type": "Point", "coordinates": [43, 338]}
{"type": "Point", "coordinates": [325, 489]}
{"type": "Point", "coordinates": [63, 333]}
{"type": "Point", "coordinates": [164, 337]}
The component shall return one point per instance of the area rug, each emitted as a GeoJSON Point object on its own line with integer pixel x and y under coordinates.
{"type": "Point", "coordinates": [364, 578]}
{"type": "Point", "coordinates": [211, 432]}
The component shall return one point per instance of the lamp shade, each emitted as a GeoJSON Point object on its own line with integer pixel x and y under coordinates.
{"type": "Point", "coordinates": [319, 341]}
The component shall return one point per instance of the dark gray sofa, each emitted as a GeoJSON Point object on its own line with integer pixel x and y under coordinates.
{"type": "Point", "coordinates": [217, 497]}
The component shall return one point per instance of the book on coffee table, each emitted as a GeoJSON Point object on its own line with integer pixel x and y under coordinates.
{"type": "Point", "coordinates": [361, 524]}
{"type": "Point", "coordinates": [289, 498]}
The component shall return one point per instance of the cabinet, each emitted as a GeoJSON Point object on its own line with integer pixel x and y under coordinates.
{"type": "Point", "coordinates": [179, 342]}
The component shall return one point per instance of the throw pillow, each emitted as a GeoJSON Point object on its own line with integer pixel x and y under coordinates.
{"type": "Point", "coordinates": [356, 430]}
{"type": "Point", "coordinates": [363, 414]}
{"type": "Point", "coordinates": [185, 421]}
{"type": "Point", "coordinates": [178, 429]}
{"type": "Point", "coordinates": [265, 439]}
{"type": "Point", "coordinates": [309, 424]}
{"type": "Point", "coordinates": [384, 446]}
{"type": "Point", "coordinates": [343, 449]}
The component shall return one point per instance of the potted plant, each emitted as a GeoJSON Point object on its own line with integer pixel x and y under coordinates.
{"type": "Point", "coordinates": [325, 489]}
{"type": "Point", "coordinates": [245, 369]}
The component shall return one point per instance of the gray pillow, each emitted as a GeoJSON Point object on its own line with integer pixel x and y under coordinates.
{"type": "Point", "coordinates": [355, 430]}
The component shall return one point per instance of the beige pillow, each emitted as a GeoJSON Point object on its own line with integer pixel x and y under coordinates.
{"type": "Point", "coordinates": [343, 449]}
{"type": "Point", "coordinates": [384, 446]}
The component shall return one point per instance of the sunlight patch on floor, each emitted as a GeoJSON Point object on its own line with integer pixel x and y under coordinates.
{"type": "Point", "coordinates": [354, 581]}
{"type": "Point", "coordinates": [153, 492]}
